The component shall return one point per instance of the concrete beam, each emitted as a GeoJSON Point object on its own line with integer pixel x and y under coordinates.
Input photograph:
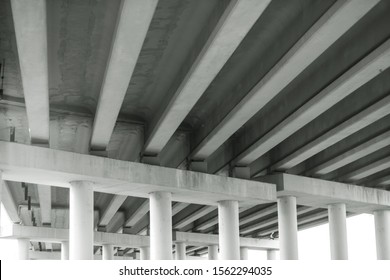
{"type": "Point", "coordinates": [44, 193]}
{"type": "Point", "coordinates": [367, 170]}
{"type": "Point", "coordinates": [362, 72]}
{"type": "Point", "coordinates": [338, 133]}
{"type": "Point", "coordinates": [138, 214]}
{"type": "Point", "coordinates": [381, 182]}
{"type": "Point", "coordinates": [133, 23]}
{"type": "Point", "coordinates": [37, 255]}
{"type": "Point", "coordinates": [31, 38]}
{"type": "Point", "coordinates": [234, 24]}
{"type": "Point", "coordinates": [257, 215]}
{"type": "Point", "coordinates": [213, 221]}
{"type": "Point", "coordinates": [320, 193]}
{"type": "Point", "coordinates": [200, 239]}
{"type": "Point", "coordinates": [54, 235]}
{"type": "Point", "coordinates": [112, 207]}
{"type": "Point", "coordinates": [352, 155]}
{"type": "Point", "coordinates": [194, 216]}
{"type": "Point", "coordinates": [58, 168]}
{"type": "Point", "coordinates": [330, 27]}
{"type": "Point", "coordinates": [177, 207]}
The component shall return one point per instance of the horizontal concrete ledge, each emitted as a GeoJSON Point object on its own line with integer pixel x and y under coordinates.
{"type": "Point", "coordinates": [37, 255]}
{"type": "Point", "coordinates": [320, 193]}
{"type": "Point", "coordinates": [201, 239]}
{"type": "Point", "coordinates": [24, 163]}
{"type": "Point", "coordinates": [56, 235]}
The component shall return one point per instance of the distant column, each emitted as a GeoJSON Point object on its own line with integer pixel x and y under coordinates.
{"type": "Point", "coordinates": [23, 249]}
{"type": "Point", "coordinates": [213, 252]}
{"type": "Point", "coordinates": [271, 255]}
{"type": "Point", "coordinates": [181, 251]}
{"type": "Point", "coordinates": [64, 250]}
{"type": "Point", "coordinates": [229, 237]}
{"type": "Point", "coordinates": [382, 234]}
{"type": "Point", "coordinates": [144, 253]}
{"type": "Point", "coordinates": [108, 252]}
{"type": "Point", "coordinates": [81, 220]}
{"type": "Point", "coordinates": [244, 253]}
{"type": "Point", "coordinates": [338, 231]}
{"type": "Point", "coordinates": [288, 228]}
{"type": "Point", "coordinates": [161, 225]}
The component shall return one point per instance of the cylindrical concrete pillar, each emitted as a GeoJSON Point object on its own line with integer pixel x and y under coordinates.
{"type": "Point", "coordinates": [181, 251]}
{"type": "Point", "coordinates": [271, 255]}
{"type": "Point", "coordinates": [382, 234]}
{"type": "Point", "coordinates": [144, 253]}
{"type": "Point", "coordinates": [108, 252]}
{"type": "Point", "coordinates": [23, 249]}
{"type": "Point", "coordinates": [229, 236]}
{"type": "Point", "coordinates": [213, 252]}
{"type": "Point", "coordinates": [64, 250]}
{"type": "Point", "coordinates": [288, 228]}
{"type": "Point", "coordinates": [81, 220]}
{"type": "Point", "coordinates": [338, 231]}
{"type": "Point", "coordinates": [160, 226]}
{"type": "Point", "coordinates": [244, 253]}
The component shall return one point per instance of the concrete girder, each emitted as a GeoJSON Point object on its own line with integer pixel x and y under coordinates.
{"type": "Point", "coordinates": [194, 216]}
{"type": "Point", "coordinates": [320, 193]}
{"type": "Point", "coordinates": [381, 182]}
{"type": "Point", "coordinates": [177, 207]}
{"type": "Point", "coordinates": [112, 208]}
{"type": "Point", "coordinates": [58, 168]}
{"type": "Point", "coordinates": [232, 27]}
{"type": "Point", "coordinates": [132, 26]}
{"type": "Point", "coordinates": [31, 37]}
{"type": "Point", "coordinates": [138, 214]}
{"type": "Point", "coordinates": [348, 127]}
{"type": "Point", "coordinates": [257, 215]}
{"type": "Point", "coordinates": [352, 155]}
{"type": "Point", "coordinates": [44, 193]}
{"type": "Point", "coordinates": [367, 170]}
{"type": "Point", "coordinates": [331, 26]}
{"type": "Point", "coordinates": [369, 67]}
{"type": "Point", "coordinates": [9, 203]}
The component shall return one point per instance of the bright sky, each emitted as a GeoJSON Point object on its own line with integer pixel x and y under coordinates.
{"type": "Point", "coordinates": [313, 243]}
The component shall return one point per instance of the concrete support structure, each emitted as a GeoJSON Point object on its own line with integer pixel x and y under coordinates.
{"type": "Point", "coordinates": [81, 217]}
{"type": "Point", "coordinates": [144, 253]}
{"type": "Point", "coordinates": [23, 249]}
{"type": "Point", "coordinates": [288, 228]}
{"type": "Point", "coordinates": [271, 255]}
{"type": "Point", "coordinates": [229, 238]}
{"type": "Point", "coordinates": [244, 253]}
{"type": "Point", "coordinates": [65, 251]}
{"type": "Point", "coordinates": [180, 251]}
{"type": "Point", "coordinates": [338, 231]}
{"type": "Point", "coordinates": [213, 252]}
{"type": "Point", "coordinates": [382, 234]}
{"type": "Point", "coordinates": [108, 252]}
{"type": "Point", "coordinates": [160, 225]}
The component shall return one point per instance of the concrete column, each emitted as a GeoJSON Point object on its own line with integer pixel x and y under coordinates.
{"type": "Point", "coordinates": [160, 225]}
{"type": "Point", "coordinates": [382, 234]}
{"type": "Point", "coordinates": [288, 228]}
{"type": "Point", "coordinates": [244, 253]}
{"type": "Point", "coordinates": [65, 250]}
{"type": "Point", "coordinates": [213, 252]}
{"type": "Point", "coordinates": [181, 251]}
{"type": "Point", "coordinates": [23, 249]}
{"type": "Point", "coordinates": [108, 252]}
{"type": "Point", "coordinates": [144, 253]}
{"type": "Point", "coordinates": [338, 231]}
{"type": "Point", "coordinates": [81, 221]}
{"type": "Point", "coordinates": [271, 255]}
{"type": "Point", "coordinates": [229, 236]}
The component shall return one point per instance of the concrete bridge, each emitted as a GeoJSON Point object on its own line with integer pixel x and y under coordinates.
{"type": "Point", "coordinates": [159, 128]}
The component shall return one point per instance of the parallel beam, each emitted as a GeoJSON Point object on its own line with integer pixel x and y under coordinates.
{"type": "Point", "coordinates": [213, 221]}
{"type": "Point", "coordinates": [257, 215]}
{"type": "Point", "coordinates": [232, 27]}
{"type": "Point", "coordinates": [331, 26]}
{"type": "Point", "coordinates": [135, 217]}
{"type": "Point", "coordinates": [44, 193]}
{"type": "Point", "coordinates": [367, 170]}
{"type": "Point", "coordinates": [31, 38]}
{"type": "Point", "coordinates": [133, 23]}
{"type": "Point", "coordinates": [369, 67]}
{"type": "Point", "coordinates": [112, 207]}
{"type": "Point", "coordinates": [338, 133]}
{"type": "Point", "coordinates": [352, 155]}
{"type": "Point", "coordinates": [9, 203]}
{"type": "Point", "coordinates": [194, 216]}
{"type": "Point", "coordinates": [58, 168]}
